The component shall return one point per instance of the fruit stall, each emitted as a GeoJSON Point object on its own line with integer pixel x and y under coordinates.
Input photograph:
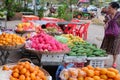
{"type": "Point", "coordinates": [77, 59]}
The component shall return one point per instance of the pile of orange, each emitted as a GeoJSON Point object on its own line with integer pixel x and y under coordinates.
{"type": "Point", "coordinates": [7, 39]}
{"type": "Point", "coordinates": [100, 73]}
{"type": "Point", "coordinates": [26, 71]}
{"type": "Point", "coordinates": [90, 73]}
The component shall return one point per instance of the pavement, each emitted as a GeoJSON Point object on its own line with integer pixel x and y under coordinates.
{"type": "Point", "coordinates": [95, 36]}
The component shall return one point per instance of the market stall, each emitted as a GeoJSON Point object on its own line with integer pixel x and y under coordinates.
{"type": "Point", "coordinates": [54, 50]}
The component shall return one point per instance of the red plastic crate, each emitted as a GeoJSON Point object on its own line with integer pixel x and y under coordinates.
{"type": "Point", "coordinates": [76, 64]}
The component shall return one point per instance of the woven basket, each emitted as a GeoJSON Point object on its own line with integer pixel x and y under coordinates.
{"type": "Point", "coordinates": [23, 32]}
{"type": "Point", "coordinates": [11, 47]}
{"type": "Point", "coordinates": [23, 60]}
{"type": "Point", "coordinates": [47, 52]}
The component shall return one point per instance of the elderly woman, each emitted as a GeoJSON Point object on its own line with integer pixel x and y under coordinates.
{"type": "Point", "coordinates": [112, 44]}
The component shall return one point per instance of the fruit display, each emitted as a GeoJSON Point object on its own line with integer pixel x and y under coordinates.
{"type": "Point", "coordinates": [45, 42]}
{"type": "Point", "coordinates": [25, 71]}
{"type": "Point", "coordinates": [7, 39]}
{"type": "Point", "coordinates": [71, 39]}
{"type": "Point", "coordinates": [90, 73]}
{"type": "Point", "coordinates": [25, 27]}
{"type": "Point", "coordinates": [86, 49]}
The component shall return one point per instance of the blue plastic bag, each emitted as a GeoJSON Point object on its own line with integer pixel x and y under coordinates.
{"type": "Point", "coordinates": [60, 68]}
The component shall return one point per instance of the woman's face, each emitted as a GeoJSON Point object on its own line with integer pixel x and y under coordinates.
{"type": "Point", "coordinates": [110, 9]}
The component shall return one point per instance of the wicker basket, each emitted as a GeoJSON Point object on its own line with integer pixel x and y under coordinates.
{"type": "Point", "coordinates": [11, 47]}
{"type": "Point", "coordinates": [54, 33]}
{"type": "Point", "coordinates": [47, 52]}
{"type": "Point", "coordinates": [23, 32]}
{"type": "Point", "coordinates": [26, 59]}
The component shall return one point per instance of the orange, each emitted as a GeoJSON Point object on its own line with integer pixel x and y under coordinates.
{"type": "Point", "coordinates": [31, 69]}
{"type": "Point", "coordinates": [16, 70]}
{"type": "Point", "coordinates": [90, 73]}
{"type": "Point", "coordinates": [85, 69]}
{"type": "Point", "coordinates": [97, 68]}
{"type": "Point", "coordinates": [103, 71]}
{"type": "Point", "coordinates": [15, 74]}
{"type": "Point", "coordinates": [27, 74]}
{"type": "Point", "coordinates": [88, 78]}
{"type": "Point", "coordinates": [12, 78]}
{"type": "Point", "coordinates": [32, 76]}
{"type": "Point", "coordinates": [71, 78]}
{"type": "Point", "coordinates": [104, 77]}
{"type": "Point", "coordinates": [110, 79]}
{"type": "Point", "coordinates": [81, 73]}
{"type": "Point", "coordinates": [21, 77]}
{"type": "Point", "coordinates": [20, 67]}
{"type": "Point", "coordinates": [36, 68]}
{"type": "Point", "coordinates": [111, 74]}
{"type": "Point", "coordinates": [81, 78]}
{"type": "Point", "coordinates": [96, 78]}
{"type": "Point", "coordinates": [113, 70]}
{"type": "Point", "coordinates": [23, 71]}
{"type": "Point", "coordinates": [117, 77]}
{"type": "Point", "coordinates": [90, 67]}
{"type": "Point", "coordinates": [27, 66]}
{"type": "Point", "coordinates": [5, 68]}
{"type": "Point", "coordinates": [97, 73]}
{"type": "Point", "coordinates": [28, 78]}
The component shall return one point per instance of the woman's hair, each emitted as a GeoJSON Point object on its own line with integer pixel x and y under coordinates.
{"type": "Point", "coordinates": [114, 5]}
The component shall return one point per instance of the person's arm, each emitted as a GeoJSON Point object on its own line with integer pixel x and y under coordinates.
{"type": "Point", "coordinates": [118, 20]}
{"type": "Point", "coordinates": [106, 19]}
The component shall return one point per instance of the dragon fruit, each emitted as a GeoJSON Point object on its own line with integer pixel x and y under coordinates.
{"type": "Point", "coordinates": [45, 42]}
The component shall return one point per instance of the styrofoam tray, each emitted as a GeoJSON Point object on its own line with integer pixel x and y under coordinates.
{"type": "Point", "coordinates": [52, 59]}
{"type": "Point", "coordinates": [74, 58]}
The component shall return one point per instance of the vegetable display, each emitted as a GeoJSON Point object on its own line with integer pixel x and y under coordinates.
{"type": "Point", "coordinates": [86, 49]}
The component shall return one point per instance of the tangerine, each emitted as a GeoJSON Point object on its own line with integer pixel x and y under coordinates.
{"type": "Point", "coordinates": [23, 71]}
{"type": "Point", "coordinates": [21, 77]}
{"type": "Point", "coordinates": [15, 74]}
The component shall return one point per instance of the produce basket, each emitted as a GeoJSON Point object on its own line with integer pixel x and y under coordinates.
{"type": "Point", "coordinates": [11, 47]}
{"type": "Point", "coordinates": [47, 52]}
{"type": "Point", "coordinates": [10, 65]}
{"type": "Point", "coordinates": [52, 59]}
{"type": "Point", "coordinates": [78, 61]}
{"type": "Point", "coordinates": [97, 61]}
{"type": "Point", "coordinates": [23, 32]}
{"type": "Point", "coordinates": [53, 33]}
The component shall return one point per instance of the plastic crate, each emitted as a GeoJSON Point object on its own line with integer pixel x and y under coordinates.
{"type": "Point", "coordinates": [76, 64]}
{"type": "Point", "coordinates": [52, 59]}
{"type": "Point", "coordinates": [97, 61]}
{"type": "Point", "coordinates": [78, 61]}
